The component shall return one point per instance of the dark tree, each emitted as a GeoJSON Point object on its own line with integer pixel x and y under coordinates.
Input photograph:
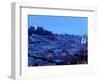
{"type": "Point", "coordinates": [31, 30]}
{"type": "Point", "coordinates": [39, 31]}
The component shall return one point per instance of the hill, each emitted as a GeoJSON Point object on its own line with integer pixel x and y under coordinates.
{"type": "Point", "coordinates": [47, 48]}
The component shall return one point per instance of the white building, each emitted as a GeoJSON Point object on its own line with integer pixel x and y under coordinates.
{"type": "Point", "coordinates": [83, 40]}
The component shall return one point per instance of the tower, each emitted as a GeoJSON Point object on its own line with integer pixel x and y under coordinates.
{"type": "Point", "coordinates": [83, 40]}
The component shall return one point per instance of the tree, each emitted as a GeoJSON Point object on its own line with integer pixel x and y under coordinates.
{"type": "Point", "coordinates": [39, 31]}
{"type": "Point", "coordinates": [31, 30]}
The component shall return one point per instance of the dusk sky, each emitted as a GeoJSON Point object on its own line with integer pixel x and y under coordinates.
{"type": "Point", "coordinates": [60, 24]}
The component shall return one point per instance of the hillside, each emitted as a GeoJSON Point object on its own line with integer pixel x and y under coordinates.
{"type": "Point", "coordinates": [47, 48]}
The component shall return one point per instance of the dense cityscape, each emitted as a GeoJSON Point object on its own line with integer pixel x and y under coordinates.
{"type": "Point", "coordinates": [46, 48]}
